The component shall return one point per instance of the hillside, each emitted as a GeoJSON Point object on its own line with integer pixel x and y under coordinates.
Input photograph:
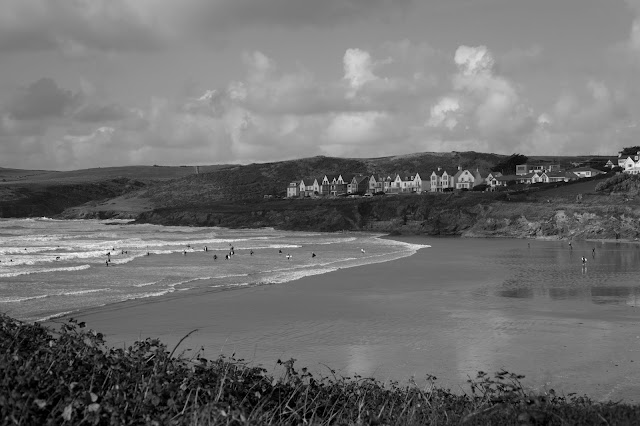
{"type": "Point", "coordinates": [29, 193]}
{"type": "Point", "coordinates": [232, 196]}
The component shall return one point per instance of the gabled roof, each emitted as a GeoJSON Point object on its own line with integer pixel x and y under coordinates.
{"type": "Point", "coordinates": [360, 179]}
{"type": "Point", "coordinates": [440, 172]}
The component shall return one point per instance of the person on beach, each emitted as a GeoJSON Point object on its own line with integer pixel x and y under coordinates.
{"type": "Point", "coordinates": [106, 263]}
{"type": "Point", "coordinates": [570, 246]}
{"type": "Point", "coordinates": [584, 260]}
{"type": "Point", "coordinates": [206, 248]}
{"type": "Point", "coordinates": [227, 257]}
{"type": "Point", "coordinates": [593, 251]}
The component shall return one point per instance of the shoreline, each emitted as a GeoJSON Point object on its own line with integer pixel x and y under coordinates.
{"type": "Point", "coordinates": [207, 290]}
{"type": "Point", "coordinates": [367, 320]}
{"type": "Point", "coordinates": [194, 292]}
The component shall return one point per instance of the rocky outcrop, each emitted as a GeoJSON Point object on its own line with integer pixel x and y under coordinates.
{"type": "Point", "coordinates": [426, 214]}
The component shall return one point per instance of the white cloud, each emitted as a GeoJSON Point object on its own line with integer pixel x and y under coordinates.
{"type": "Point", "coordinates": [443, 113]}
{"type": "Point", "coordinates": [358, 69]}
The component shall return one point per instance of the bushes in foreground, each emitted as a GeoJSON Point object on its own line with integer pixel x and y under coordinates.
{"type": "Point", "coordinates": [70, 376]}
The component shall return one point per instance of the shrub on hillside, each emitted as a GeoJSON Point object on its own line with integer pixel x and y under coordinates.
{"type": "Point", "coordinates": [620, 183]}
{"type": "Point", "coordinates": [69, 376]}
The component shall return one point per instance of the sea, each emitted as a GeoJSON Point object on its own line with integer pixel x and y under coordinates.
{"type": "Point", "coordinates": [50, 268]}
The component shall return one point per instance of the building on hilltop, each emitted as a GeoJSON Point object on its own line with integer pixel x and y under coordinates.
{"type": "Point", "coordinates": [525, 169]}
{"type": "Point", "coordinates": [441, 180]}
{"type": "Point", "coordinates": [586, 172]}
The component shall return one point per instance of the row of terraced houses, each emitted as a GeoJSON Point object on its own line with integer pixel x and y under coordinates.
{"type": "Point", "coordinates": [438, 181]}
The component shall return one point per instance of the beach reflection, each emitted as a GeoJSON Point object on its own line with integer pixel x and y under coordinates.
{"type": "Point", "coordinates": [555, 270]}
{"type": "Point", "coordinates": [454, 309]}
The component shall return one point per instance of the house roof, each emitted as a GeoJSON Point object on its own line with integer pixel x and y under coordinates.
{"type": "Point", "coordinates": [507, 178]}
{"type": "Point", "coordinates": [586, 169]}
{"type": "Point", "coordinates": [441, 172]}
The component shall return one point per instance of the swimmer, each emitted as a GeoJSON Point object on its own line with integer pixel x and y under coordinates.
{"type": "Point", "coordinates": [362, 250]}
{"type": "Point", "coordinates": [313, 255]}
{"type": "Point", "coordinates": [184, 253]}
{"type": "Point", "coordinates": [57, 257]}
{"type": "Point", "coordinates": [251, 252]}
{"type": "Point", "coordinates": [147, 253]}
{"type": "Point", "coordinates": [280, 251]}
{"type": "Point", "coordinates": [215, 257]}
{"type": "Point", "coordinates": [288, 256]}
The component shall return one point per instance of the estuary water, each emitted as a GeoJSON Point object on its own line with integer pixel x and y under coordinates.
{"type": "Point", "coordinates": [390, 309]}
{"type": "Point", "coordinates": [54, 267]}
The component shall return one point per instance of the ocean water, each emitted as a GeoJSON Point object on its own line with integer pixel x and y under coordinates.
{"type": "Point", "coordinates": [53, 267]}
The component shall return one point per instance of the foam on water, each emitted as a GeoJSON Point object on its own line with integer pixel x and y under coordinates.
{"type": "Point", "coordinates": [79, 249]}
{"type": "Point", "coordinates": [43, 271]}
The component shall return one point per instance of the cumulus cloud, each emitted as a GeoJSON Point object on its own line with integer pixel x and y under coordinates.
{"type": "Point", "coordinates": [481, 105]}
{"type": "Point", "coordinates": [377, 106]}
{"type": "Point", "coordinates": [358, 69]}
{"type": "Point", "coordinates": [443, 113]}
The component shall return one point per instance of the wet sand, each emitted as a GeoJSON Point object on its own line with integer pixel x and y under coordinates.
{"type": "Point", "coordinates": [420, 315]}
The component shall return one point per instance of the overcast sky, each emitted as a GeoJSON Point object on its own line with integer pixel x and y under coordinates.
{"type": "Point", "coordinates": [90, 83]}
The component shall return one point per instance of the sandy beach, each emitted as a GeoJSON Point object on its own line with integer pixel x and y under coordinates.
{"type": "Point", "coordinates": [419, 315]}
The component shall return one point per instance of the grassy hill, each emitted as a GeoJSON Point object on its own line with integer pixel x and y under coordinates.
{"type": "Point", "coordinates": [131, 190]}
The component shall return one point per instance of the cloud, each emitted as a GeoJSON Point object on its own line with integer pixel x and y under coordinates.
{"type": "Point", "coordinates": [443, 113]}
{"type": "Point", "coordinates": [358, 69]}
{"type": "Point", "coordinates": [96, 113]}
{"type": "Point", "coordinates": [481, 105]}
{"type": "Point", "coordinates": [79, 27]}
{"type": "Point", "coordinates": [42, 99]}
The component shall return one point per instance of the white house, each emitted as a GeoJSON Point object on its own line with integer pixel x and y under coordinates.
{"type": "Point", "coordinates": [586, 172]}
{"type": "Point", "coordinates": [464, 179]}
{"type": "Point", "coordinates": [441, 180]}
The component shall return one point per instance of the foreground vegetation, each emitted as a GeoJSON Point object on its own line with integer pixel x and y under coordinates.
{"type": "Point", "coordinates": [70, 376]}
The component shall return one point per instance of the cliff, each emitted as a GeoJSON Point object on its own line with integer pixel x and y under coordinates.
{"type": "Point", "coordinates": [593, 216]}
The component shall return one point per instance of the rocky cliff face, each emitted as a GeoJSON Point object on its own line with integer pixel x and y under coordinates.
{"type": "Point", "coordinates": [423, 214]}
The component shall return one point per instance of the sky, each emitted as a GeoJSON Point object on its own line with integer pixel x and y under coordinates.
{"type": "Point", "coordinates": [100, 83]}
